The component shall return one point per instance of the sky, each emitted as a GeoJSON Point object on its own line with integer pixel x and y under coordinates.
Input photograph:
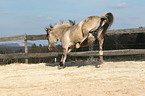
{"type": "Point", "coordinates": [18, 17]}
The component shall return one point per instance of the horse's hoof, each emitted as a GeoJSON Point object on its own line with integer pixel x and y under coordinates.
{"type": "Point", "coordinates": [77, 45]}
{"type": "Point", "coordinates": [60, 67]}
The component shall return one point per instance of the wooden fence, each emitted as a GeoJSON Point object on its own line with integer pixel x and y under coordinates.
{"type": "Point", "coordinates": [27, 55]}
{"type": "Point", "coordinates": [76, 54]}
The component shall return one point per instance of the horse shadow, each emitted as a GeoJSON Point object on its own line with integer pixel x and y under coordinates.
{"type": "Point", "coordinates": [77, 64]}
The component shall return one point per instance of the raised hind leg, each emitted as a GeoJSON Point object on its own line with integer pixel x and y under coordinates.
{"type": "Point", "coordinates": [85, 35]}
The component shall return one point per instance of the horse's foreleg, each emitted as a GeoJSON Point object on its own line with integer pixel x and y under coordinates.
{"type": "Point", "coordinates": [61, 62]}
{"type": "Point", "coordinates": [64, 56]}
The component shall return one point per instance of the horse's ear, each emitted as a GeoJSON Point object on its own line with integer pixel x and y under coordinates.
{"type": "Point", "coordinates": [71, 22]}
{"type": "Point", "coordinates": [51, 26]}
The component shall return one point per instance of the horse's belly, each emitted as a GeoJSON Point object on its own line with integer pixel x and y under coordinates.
{"type": "Point", "coordinates": [88, 41]}
{"type": "Point", "coordinates": [76, 35]}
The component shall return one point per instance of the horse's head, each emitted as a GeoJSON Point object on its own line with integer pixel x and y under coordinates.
{"type": "Point", "coordinates": [52, 40]}
{"type": "Point", "coordinates": [54, 32]}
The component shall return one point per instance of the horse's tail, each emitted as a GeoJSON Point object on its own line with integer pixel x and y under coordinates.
{"type": "Point", "coordinates": [109, 21]}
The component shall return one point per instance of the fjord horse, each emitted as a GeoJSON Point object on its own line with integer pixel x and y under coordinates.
{"type": "Point", "coordinates": [79, 35]}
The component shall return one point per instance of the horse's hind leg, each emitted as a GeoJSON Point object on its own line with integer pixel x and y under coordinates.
{"type": "Point", "coordinates": [101, 40]}
{"type": "Point", "coordinates": [85, 35]}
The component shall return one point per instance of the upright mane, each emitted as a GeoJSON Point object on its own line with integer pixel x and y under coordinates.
{"type": "Point", "coordinates": [62, 23]}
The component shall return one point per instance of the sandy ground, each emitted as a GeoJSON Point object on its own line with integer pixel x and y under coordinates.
{"type": "Point", "coordinates": [110, 79]}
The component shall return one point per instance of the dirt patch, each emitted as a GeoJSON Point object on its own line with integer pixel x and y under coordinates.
{"type": "Point", "coordinates": [110, 79]}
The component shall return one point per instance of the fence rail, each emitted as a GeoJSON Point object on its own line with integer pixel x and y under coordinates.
{"type": "Point", "coordinates": [127, 31]}
{"type": "Point", "coordinates": [23, 37]}
{"type": "Point", "coordinates": [43, 36]}
{"type": "Point", "coordinates": [75, 54]}
{"type": "Point", "coordinates": [27, 55]}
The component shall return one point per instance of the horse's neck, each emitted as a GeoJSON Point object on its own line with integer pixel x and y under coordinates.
{"type": "Point", "coordinates": [58, 35]}
{"type": "Point", "coordinates": [59, 32]}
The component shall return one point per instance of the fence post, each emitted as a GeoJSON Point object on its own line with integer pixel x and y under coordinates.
{"type": "Point", "coordinates": [26, 48]}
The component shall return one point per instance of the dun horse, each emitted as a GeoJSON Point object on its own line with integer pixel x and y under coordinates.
{"type": "Point", "coordinates": [79, 35]}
